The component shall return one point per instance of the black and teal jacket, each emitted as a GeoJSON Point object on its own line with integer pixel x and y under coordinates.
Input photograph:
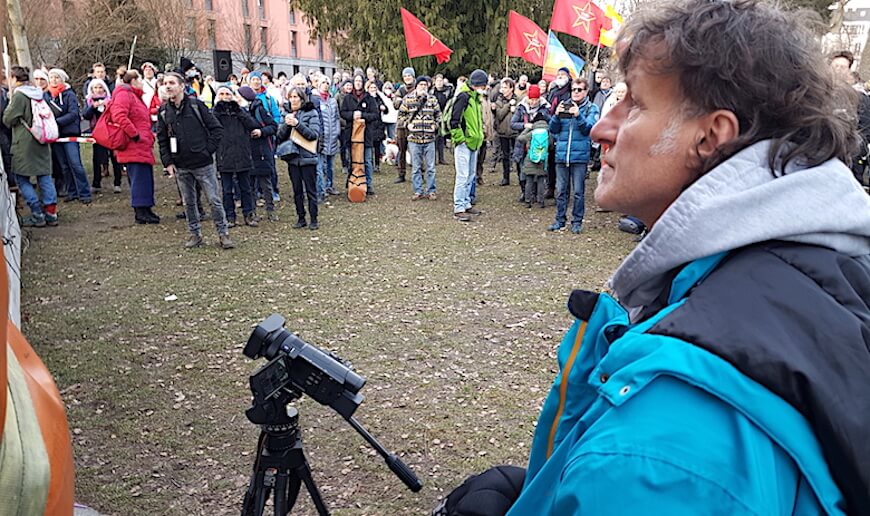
{"type": "Point", "coordinates": [733, 374]}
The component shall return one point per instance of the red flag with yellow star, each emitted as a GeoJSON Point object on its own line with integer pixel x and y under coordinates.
{"type": "Point", "coordinates": [421, 42]}
{"type": "Point", "coordinates": [525, 39]}
{"type": "Point", "coordinates": [584, 19]}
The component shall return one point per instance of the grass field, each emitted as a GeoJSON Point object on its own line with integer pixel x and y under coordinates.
{"type": "Point", "coordinates": [454, 325]}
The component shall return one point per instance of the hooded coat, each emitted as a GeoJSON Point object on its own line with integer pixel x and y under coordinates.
{"type": "Point", "coordinates": [234, 151]}
{"type": "Point", "coordinates": [29, 157]}
{"type": "Point", "coordinates": [66, 112]}
{"type": "Point", "coordinates": [129, 112]}
{"type": "Point", "coordinates": [309, 128]}
{"type": "Point", "coordinates": [731, 377]}
{"type": "Point", "coordinates": [368, 108]}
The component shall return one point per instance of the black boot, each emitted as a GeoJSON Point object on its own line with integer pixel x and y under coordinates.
{"type": "Point", "coordinates": [522, 197]}
{"type": "Point", "coordinates": [151, 217]}
{"type": "Point", "coordinates": [400, 179]}
{"type": "Point", "coordinates": [140, 216]}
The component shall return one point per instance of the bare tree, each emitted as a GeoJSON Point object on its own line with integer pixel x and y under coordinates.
{"type": "Point", "coordinates": [250, 43]}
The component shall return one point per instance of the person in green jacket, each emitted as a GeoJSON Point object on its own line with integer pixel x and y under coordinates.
{"type": "Point", "coordinates": [466, 131]}
{"type": "Point", "coordinates": [29, 157]}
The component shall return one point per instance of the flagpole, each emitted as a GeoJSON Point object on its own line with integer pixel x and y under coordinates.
{"type": "Point", "coordinates": [132, 49]}
{"type": "Point", "coordinates": [506, 61]}
{"type": "Point", "coordinates": [597, 51]}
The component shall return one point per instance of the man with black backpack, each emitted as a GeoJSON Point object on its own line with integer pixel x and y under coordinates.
{"type": "Point", "coordinates": [189, 135]}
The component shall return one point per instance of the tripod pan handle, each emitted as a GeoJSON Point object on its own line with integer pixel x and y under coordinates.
{"type": "Point", "coordinates": [403, 472]}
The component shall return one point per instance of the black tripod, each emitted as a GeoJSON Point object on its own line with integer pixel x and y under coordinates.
{"type": "Point", "coordinates": [280, 469]}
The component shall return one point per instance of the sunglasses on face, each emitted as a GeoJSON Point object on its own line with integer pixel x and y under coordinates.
{"type": "Point", "coordinates": [578, 89]}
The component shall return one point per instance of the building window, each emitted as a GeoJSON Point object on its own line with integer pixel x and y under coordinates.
{"type": "Point", "coordinates": [264, 40]}
{"type": "Point", "coordinates": [190, 25]}
{"type": "Point", "coordinates": [320, 48]}
{"type": "Point", "coordinates": [188, 4]}
{"type": "Point", "coordinates": [245, 11]}
{"type": "Point", "coordinates": [261, 9]}
{"type": "Point", "coordinates": [292, 16]}
{"type": "Point", "coordinates": [212, 34]}
{"type": "Point", "coordinates": [294, 51]}
{"type": "Point", "coordinates": [209, 5]}
{"type": "Point", "coordinates": [247, 35]}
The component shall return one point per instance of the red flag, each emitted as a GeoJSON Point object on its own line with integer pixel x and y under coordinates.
{"type": "Point", "coordinates": [581, 18]}
{"type": "Point", "coordinates": [420, 41]}
{"type": "Point", "coordinates": [525, 39]}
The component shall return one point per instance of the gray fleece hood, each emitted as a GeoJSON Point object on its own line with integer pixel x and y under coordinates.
{"type": "Point", "coordinates": [31, 92]}
{"type": "Point", "coordinates": [739, 203]}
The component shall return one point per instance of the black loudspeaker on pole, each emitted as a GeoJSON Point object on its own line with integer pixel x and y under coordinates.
{"type": "Point", "coordinates": [223, 65]}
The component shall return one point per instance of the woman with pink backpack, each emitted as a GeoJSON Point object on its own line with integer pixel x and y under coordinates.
{"type": "Point", "coordinates": [30, 158]}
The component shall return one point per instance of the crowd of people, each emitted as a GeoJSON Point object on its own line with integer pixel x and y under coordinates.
{"type": "Point", "coordinates": [222, 140]}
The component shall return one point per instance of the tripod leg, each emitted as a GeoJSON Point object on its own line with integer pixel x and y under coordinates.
{"type": "Point", "coordinates": [256, 496]}
{"type": "Point", "coordinates": [281, 507]}
{"type": "Point", "coordinates": [293, 485]}
{"type": "Point", "coordinates": [304, 472]}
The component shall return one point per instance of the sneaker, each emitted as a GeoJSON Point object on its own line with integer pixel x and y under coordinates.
{"type": "Point", "coordinates": [473, 211]}
{"type": "Point", "coordinates": [51, 220]}
{"type": "Point", "coordinates": [400, 179]}
{"type": "Point", "coordinates": [231, 223]}
{"type": "Point", "coordinates": [370, 191]}
{"type": "Point", "coordinates": [417, 197]}
{"type": "Point", "coordinates": [33, 221]}
{"type": "Point", "coordinates": [505, 182]}
{"type": "Point", "coordinates": [225, 242]}
{"type": "Point", "coordinates": [96, 189]}
{"type": "Point", "coordinates": [462, 216]}
{"type": "Point", "coordinates": [433, 196]}
{"type": "Point", "coordinates": [70, 198]}
{"type": "Point", "coordinates": [272, 216]}
{"type": "Point", "coordinates": [193, 241]}
{"type": "Point", "coordinates": [250, 220]}
{"type": "Point", "coordinates": [555, 227]}
{"type": "Point", "coordinates": [300, 224]}
{"type": "Point", "coordinates": [332, 191]}
{"type": "Point", "coordinates": [314, 225]}
{"type": "Point", "coordinates": [576, 228]}
{"type": "Point", "coordinates": [260, 203]}
{"type": "Point", "coordinates": [276, 197]}
{"type": "Point", "coordinates": [117, 189]}
{"type": "Point", "coordinates": [87, 202]}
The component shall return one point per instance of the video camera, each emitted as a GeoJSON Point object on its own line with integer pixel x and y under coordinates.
{"type": "Point", "coordinates": [296, 368]}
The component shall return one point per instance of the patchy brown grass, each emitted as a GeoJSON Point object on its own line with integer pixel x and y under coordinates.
{"type": "Point", "coordinates": [454, 325]}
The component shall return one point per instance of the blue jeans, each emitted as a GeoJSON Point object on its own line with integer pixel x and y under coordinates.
{"type": "Point", "coordinates": [320, 180]}
{"type": "Point", "coordinates": [46, 188]}
{"type": "Point", "coordinates": [369, 159]}
{"type": "Point", "coordinates": [422, 154]}
{"type": "Point", "coordinates": [75, 177]}
{"type": "Point", "coordinates": [206, 177]}
{"type": "Point", "coordinates": [576, 173]}
{"type": "Point", "coordinates": [328, 170]}
{"type": "Point", "coordinates": [390, 130]}
{"type": "Point", "coordinates": [465, 161]}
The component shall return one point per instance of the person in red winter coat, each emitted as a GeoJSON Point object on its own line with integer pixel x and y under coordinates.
{"type": "Point", "coordinates": [134, 118]}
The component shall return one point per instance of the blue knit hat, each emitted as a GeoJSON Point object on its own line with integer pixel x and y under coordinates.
{"type": "Point", "coordinates": [255, 74]}
{"type": "Point", "coordinates": [408, 71]}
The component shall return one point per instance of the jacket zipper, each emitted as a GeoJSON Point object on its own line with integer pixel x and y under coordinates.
{"type": "Point", "coordinates": [563, 386]}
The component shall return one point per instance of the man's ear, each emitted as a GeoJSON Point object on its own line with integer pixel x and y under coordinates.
{"type": "Point", "coordinates": [720, 127]}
